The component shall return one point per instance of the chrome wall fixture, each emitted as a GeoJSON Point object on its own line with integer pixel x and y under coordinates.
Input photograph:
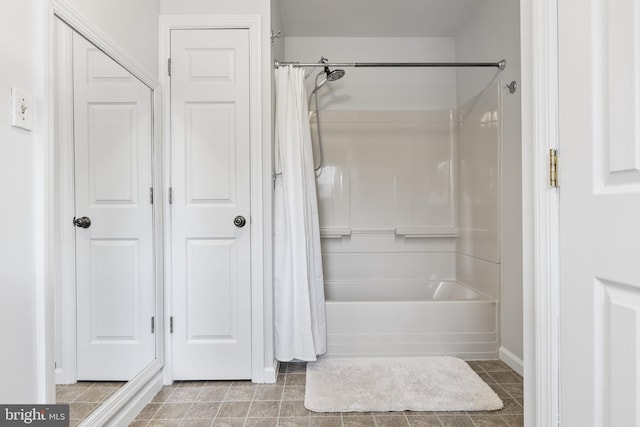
{"type": "Point", "coordinates": [513, 87]}
{"type": "Point", "coordinates": [275, 36]}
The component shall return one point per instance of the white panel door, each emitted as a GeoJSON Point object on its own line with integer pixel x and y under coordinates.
{"type": "Point", "coordinates": [599, 53]}
{"type": "Point", "coordinates": [210, 182]}
{"type": "Point", "coordinates": [114, 255]}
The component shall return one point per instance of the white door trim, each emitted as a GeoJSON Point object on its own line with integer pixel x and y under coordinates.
{"type": "Point", "coordinates": [259, 152]}
{"type": "Point", "coordinates": [103, 42]}
{"type": "Point", "coordinates": [63, 99]}
{"type": "Point", "coordinates": [539, 43]}
{"type": "Point", "coordinates": [44, 226]}
{"type": "Point", "coordinates": [117, 403]}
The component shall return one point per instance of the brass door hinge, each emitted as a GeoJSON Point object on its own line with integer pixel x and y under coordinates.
{"type": "Point", "coordinates": [553, 168]}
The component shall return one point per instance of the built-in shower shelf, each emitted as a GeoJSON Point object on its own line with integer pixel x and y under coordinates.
{"type": "Point", "coordinates": [340, 232]}
{"type": "Point", "coordinates": [335, 232]}
{"type": "Point", "coordinates": [427, 231]}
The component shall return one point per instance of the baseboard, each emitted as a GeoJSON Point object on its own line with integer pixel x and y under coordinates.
{"type": "Point", "coordinates": [122, 408]}
{"type": "Point", "coordinates": [512, 360]}
{"type": "Point", "coordinates": [271, 373]}
{"type": "Point", "coordinates": [266, 375]}
{"type": "Point", "coordinates": [137, 403]}
{"type": "Point", "coordinates": [59, 376]}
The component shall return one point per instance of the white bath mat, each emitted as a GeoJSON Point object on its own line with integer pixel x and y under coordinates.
{"type": "Point", "coordinates": [396, 384]}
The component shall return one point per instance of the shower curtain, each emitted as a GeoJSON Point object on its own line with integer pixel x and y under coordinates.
{"type": "Point", "coordinates": [300, 320]}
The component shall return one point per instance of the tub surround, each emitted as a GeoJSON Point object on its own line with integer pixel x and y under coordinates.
{"type": "Point", "coordinates": [405, 210]}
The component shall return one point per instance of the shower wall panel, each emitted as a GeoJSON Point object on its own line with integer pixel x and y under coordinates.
{"type": "Point", "coordinates": [386, 195]}
{"type": "Point", "coordinates": [479, 180]}
{"type": "Point", "coordinates": [479, 169]}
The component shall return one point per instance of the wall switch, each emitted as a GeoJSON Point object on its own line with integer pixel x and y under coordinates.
{"type": "Point", "coordinates": [22, 111]}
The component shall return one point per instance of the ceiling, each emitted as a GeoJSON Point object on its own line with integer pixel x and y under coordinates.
{"type": "Point", "coordinates": [375, 18]}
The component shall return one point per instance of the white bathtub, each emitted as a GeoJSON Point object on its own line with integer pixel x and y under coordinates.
{"type": "Point", "coordinates": [408, 319]}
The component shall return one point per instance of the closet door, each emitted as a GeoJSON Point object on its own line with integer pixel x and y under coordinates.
{"type": "Point", "coordinates": [210, 180]}
{"type": "Point", "coordinates": [114, 224]}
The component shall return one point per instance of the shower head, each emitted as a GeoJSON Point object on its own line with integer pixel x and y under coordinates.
{"type": "Point", "coordinates": [330, 76]}
{"type": "Point", "coordinates": [334, 75]}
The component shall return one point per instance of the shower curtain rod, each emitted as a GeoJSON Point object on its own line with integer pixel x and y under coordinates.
{"type": "Point", "coordinates": [501, 64]}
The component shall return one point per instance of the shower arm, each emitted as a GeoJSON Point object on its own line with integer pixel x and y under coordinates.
{"type": "Point", "coordinates": [320, 62]}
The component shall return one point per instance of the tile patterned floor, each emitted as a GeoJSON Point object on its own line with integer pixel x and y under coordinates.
{"type": "Point", "coordinates": [83, 397]}
{"type": "Point", "coordinates": [244, 404]}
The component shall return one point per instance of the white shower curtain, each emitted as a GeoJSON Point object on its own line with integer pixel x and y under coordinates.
{"type": "Point", "coordinates": [300, 321]}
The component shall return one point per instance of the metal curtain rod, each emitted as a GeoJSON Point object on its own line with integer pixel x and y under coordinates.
{"type": "Point", "coordinates": [501, 64]}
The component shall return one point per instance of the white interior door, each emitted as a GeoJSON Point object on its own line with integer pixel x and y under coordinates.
{"type": "Point", "coordinates": [599, 212]}
{"type": "Point", "coordinates": [210, 181]}
{"type": "Point", "coordinates": [114, 255]}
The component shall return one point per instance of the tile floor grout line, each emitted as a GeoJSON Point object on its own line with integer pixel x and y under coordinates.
{"type": "Point", "coordinates": [406, 418]}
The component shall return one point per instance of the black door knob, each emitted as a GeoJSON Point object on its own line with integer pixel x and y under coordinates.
{"type": "Point", "coordinates": [84, 222]}
{"type": "Point", "coordinates": [239, 221]}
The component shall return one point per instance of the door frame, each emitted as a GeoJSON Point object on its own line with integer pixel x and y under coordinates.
{"type": "Point", "coordinates": [131, 398]}
{"type": "Point", "coordinates": [263, 366]}
{"type": "Point", "coordinates": [540, 203]}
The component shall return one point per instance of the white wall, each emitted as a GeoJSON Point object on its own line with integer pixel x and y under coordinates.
{"type": "Point", "coordinates": [239, 7]}
{"type": "Point", "coordinates": [19, 189]}
{"type": "Point", "coordinates": [491, 34]}
{"type": "Point", "coordinates": [132, 25]}
{"type": "Point", "coordinates": [380, 88]}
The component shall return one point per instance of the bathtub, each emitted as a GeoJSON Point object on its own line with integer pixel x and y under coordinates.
{"type": "Point", "coordinates": [409, 319]}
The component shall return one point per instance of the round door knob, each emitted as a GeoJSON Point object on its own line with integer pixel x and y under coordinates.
{"type": "Point", "coordinates": [239, 221]}
{"type": "Point", "coordinates": [84, 222]}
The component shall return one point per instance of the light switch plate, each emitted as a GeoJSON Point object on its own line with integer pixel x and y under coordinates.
{"type": "Point", "coordinates": [22, 111]}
